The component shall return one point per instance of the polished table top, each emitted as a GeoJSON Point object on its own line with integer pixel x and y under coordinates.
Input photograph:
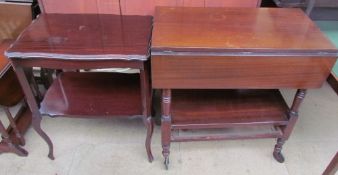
{"type": "Point", "coordinates": [232, 31]}
{"type": "Point", "coordinates": [4, 62]}
{"type": "Point", "coordinates": [85, 36]}
{"type": "Point", "coordinates": [238, 48]}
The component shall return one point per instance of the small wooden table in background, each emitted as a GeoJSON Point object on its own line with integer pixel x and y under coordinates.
{"type": "Point", "coordinates": [222, 68]}
{"type": "Point", "coordinates": [14, 17]}
{"type": "Point", "coordinates": [10, 95]}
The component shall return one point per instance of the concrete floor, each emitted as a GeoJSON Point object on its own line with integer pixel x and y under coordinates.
{"type": "Point", "coordinates": [116, 146]}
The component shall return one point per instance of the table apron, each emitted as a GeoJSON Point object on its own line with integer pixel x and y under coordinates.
{"type": "Point", "coordinates": [234, 72]}
{"type": "Point", "coordinates": [77, 64]}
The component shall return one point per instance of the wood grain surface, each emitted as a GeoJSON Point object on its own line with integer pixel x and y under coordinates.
{"type": "Point", "coordinates": [192, 107]}
{"type": "Point", "coordinates": [134, 7]}
{"type": "Point", "coordinates": [238, 30]}
{"type": "Point", "coordinates": [219, 72]}
{"type": "Point", "coordinates": [85, 36]}
{"type": "Point", "coordinates": [93, 94]}
{"type": "Point", "coordinates": [4, 62]}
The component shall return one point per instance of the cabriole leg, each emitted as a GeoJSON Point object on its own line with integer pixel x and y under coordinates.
{"type": "Point", "coordinates": [146, 105]}
{"type": "Point", "coordinates": [293, 117]}
{"type": "Point", "coordinates": [166, 125]}
{"type": "Point", "coordinates": [31, 101]}
{"type": "Point", "coordinates": [37, 127]}
{"type": "Point", "coordinates": [150, 129]}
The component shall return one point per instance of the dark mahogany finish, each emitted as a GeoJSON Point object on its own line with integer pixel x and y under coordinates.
{"type": "Point", "coordinates": [266, 72]}
{"type": "Point", "coordinates": [85, 36]}
{"type": "Point", "coordinates": [88, 41]}
{"type": "Point", "coordinates": [221, 107]}
{"type": "Point", "coordinates": [10, 95]}
{"type": "Point", "coordinates": [197, 52]}
{"type": "Point", "coordinates": [132, 7]}
{"type": "Point", "coordinates": [4, 63]}
{"type": "Point", "coordinates": [332, 168]}
{"type": "Point", "coordinates": [238, 31]}
{"type": "Point", "coordinates": [111, 94]}
{"type": "Point", "coordinates": [333, 81]}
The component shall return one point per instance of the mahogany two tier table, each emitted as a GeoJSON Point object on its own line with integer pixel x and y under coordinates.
{"type": "Point", "coordinates": [87, 41]}
{"type": "Point", "coordinates": [223, 68]}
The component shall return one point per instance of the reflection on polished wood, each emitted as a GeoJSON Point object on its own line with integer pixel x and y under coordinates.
{"type": "Point", "coordinates": [85, 36]}
{"type": "Point", "coordinates": [264, 31]}
{"type": "Point", "coordinates": [190, 108]}
{"type": "Point", "coordinates": [75, 94]}
{"type": "Point", "coordinates": [265, 72]}
{"type": "Point", "coordinates": [134, 7]}
{"type": "Point", "coordinates": [209, 52]}
{"type": "Point", "coordinates": [88, 41]}
{"type": "Point", "coordinates": [4, 62]}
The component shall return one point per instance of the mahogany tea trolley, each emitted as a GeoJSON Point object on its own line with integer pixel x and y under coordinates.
{"type": "Point", "coordinates": [87, 41]}
{"type": "Point", "coordinates": [223, 68]}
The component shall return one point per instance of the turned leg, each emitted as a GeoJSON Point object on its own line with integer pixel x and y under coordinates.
{"type": "Point", "coordinates": [293, 117]}
{"type": "Point", "coordinates": [31, 101]}
{"type": "Point", "coordinates": [146, 107]}
{"type": "Point", "coordinates": [166, 125]}
{"type": "Point", "coordinates": [13, 125]}
{"type": "Point", "coordinates": [7, 145]}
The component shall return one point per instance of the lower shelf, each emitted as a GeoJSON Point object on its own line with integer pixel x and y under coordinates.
{"type": "Point", "coordinates": [194, 109]}
{"type": "Point", "coordinates": [228, 133]}
{"type": "Point", "coordinates": [93, 94]}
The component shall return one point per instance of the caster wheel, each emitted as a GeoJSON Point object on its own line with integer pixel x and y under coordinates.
{"type": "Point", "coordinates": [279, 157]}
{"type": "Point", "coordinates": [166, 163]}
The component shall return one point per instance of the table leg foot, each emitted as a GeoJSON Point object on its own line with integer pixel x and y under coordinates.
{"type": "Point", "coordinates": [11, 148]}
{"type": "Point", "coordinates": [166, 163]}
{"type": "Point", "coordinates": [150, 130]}
{"type": "Point", "coordinates": [279, 157]}
{"type": "Point", "coordinates": [19, 151]}
{"type": "Point", "coordinates": [51, 156]}
{"type": "Point", "coordinates": [165, 153]}
{"type": "Point", "coordinates": [37, 127]}
{"type": "Point", "coordinates": [277, 153]}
